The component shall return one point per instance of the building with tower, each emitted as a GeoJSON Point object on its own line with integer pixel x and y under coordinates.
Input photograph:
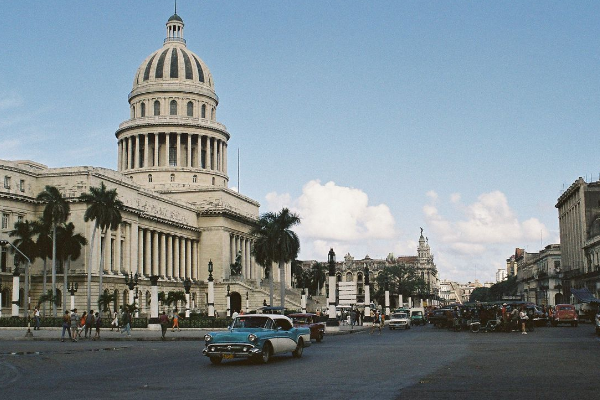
{"type": "Point", "coordinates": [179, 213]}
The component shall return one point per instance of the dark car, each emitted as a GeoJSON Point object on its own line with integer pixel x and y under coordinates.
{"type": "Point", "coordinates": [309, 320]}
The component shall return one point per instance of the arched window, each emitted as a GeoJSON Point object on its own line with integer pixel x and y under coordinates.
{"type": "Point", "coordinates": [173, 108]}
{"type": "Point", "coordinates": [150, 178]}
{"type": "Point", "coordinates": [349, 277]}
{"type": "Point", "coordinates": [172, 177]}
{"type": "Point", "coordinates": [143, 110]}
{"type": "Point", "coordinates": [212, 114]}
{"type": "Point", "coordinates": [203, 112]}
{"type": "Point", "coordinates": [190, 109]}
{"type": "Point", "coordinates": [132, 114]}
{"type": "Point", "coordinates": [156, 107]}
{"type": "Point", "coordinates": [194, 178]}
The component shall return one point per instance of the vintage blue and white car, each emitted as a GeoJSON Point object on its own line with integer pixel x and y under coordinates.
{"type": "Point", "coordinates": [258, 337]}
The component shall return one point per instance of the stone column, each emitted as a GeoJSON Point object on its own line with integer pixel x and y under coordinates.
{"type": "Point", "coordinates": [188, 259]}
{"type": "Point", "coordinates": [129, 152]}
{"type": "Point", "coordinates": [167, 147]}
{"type": "Point", "coordinates": [176, 258]}
{"type": "Point", "coordinates": [153, 323]}
{"type": "Point", "coordinates": [140, 263]}
{"type": "Point", "coordinates": [214, 154]}
{"type": "Point", "coordinates": [146, 142]}
{"type": "Point", "coordinates": [387, 302]}
{"type": "Point", "coordinates": [163, 256]}
{"type": "Point", "coordinates": [119, 155]}
{"type": "Point", "coordinates": [148, 253]}
{"type": "Point", "coordinates": [189, 150]}
{"type": "Point", "coordinates": [155, 254]}
{"type": "Point", "coordinates": [400, 303]}
{"type": "Point", "coordinates": [225, 158]}
{"type": "Point", "coordinates": [231, 249]}
{"type": "Point", "coordinates": [107, 253]}
{"type": "Point", "coordinates": [211, 297]}
{"type": "Point", "coordinates": [170, 256]}
{"type": "Point", "coordinates": [117, 257]}
{"type": "Point", "coordinates": [156, 147]}
{"type": "Point", "coordinates": [178, 162]}
{"type": "Point", "coordinates": [182, 258]}
{"type": "Point", "coordinates": [135, 148]}
{"type": "Point", "coordinates": [132, 252]}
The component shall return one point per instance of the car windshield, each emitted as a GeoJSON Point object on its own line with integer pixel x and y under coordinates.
{"type": "Point", "coordinates": [417, 313]}
{"type": "Point", "coordinates": [251, 322]}
{"type": "Point", "coordinates": [399, 316]}
{"type": "Point", "coordinates": [302, 320]}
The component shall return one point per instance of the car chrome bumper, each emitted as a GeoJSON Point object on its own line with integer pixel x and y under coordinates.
{"type": "Point", "coordinates": [233, 350]}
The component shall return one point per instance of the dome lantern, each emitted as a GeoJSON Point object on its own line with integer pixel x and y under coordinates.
{"type": "Point", "coordinates": [175, 29]}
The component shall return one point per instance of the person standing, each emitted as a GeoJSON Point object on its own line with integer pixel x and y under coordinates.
{"type": "Point", "coordinates": [66, 325]}
{"type": "Point", "coordinates": [126, 323]}
{"type": "Point", "coordinates": [90, 321]}
{"type": "Point", "coordinates": [164, 324]}
{"type": "Point", "coordinates": [115, 321]}
{"type": "Point", "coordinates": [98, 324]}
{"type": "Point", "coordinates": [523, 318]}
{"type": "Point", "coordinates": [74, 324]}
{"type": "Point", "coordinates": [81, 325]}
{"type": "Point", "coordinates": [36, 316]}
{"type": "Point", "coordinates": [175, 321]}
{"type": "Point", "coordinates": [376, 322]}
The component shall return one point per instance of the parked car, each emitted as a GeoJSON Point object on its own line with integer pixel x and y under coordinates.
{"type": "Point", "coordinates": [565, 314]}
{"type": "Point", "coordinates": [399, 320]}
{"type": "Point", "coordinates": [309, 320]}
{"type": "Point", "coordinates": [258, 337]}
{"type": "Point", "coordinates": [417, 317]}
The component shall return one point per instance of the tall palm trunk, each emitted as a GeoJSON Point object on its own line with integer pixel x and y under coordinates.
{"type": "Point", "coordinates": [89, 272]}
{"type": "Point", "coordinates": [282, 283]}
{"type": "Point", "coordinates": [54, 270]}
{"type": "Point", "coordinates": [65, 284]}
{"type": "Point", "coordinates": [45, 279]}
{"type": "Point", "coordinates": [101, 270]}
{"type": "Point", "coordinates": [271, 285]}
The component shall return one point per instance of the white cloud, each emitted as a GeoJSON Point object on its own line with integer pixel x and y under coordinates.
{"type": "Point", "coordinates": [455, 198]}
{"type": "Point", "coordinates": [335, 215]}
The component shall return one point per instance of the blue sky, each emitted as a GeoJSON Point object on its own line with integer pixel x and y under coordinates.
{"type": "Point", "coordinates": [369, 119]}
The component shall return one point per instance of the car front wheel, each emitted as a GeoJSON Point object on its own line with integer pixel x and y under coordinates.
{"type": "Point", "coordinates": [299, 349]}
{"type": "Point", "coordinates": [216, 359]}
{"type": "Point", "coordinates": [320, 337]}
{"type": "Point", "coordinates": [265, 354]}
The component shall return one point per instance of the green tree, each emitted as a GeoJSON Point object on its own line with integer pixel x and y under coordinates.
{"type": "Point", "coordinates": [276, 243]}
{"type": "Point", "coordinates": [48, 297]}
{"type": "Point", "coordinates": [69, 249]}
{"type": "Point", "coordinates": [236, 268]}
{"type": "Point", "coordinates": [24, 232]}
{"type": "Point", "coordinates": [481, 294]}
{"type": "Point", "coordinates": [104, 209]}
{"type": "Point", "coordinates": [56, 212]}
{"type": "Point", "coordinates": [507, 287]}
{"type": "Point", "coordinates": [104, 301]}
{"type": "Point", "coordinates": [401, 279]}
{"type": "Point", "coordinates": [174, 297]}
{"type": "Point", "coordinates": [318, 277]}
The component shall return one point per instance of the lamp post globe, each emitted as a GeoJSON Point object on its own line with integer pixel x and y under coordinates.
{"type": "Point", "coordinates": [332, 321]}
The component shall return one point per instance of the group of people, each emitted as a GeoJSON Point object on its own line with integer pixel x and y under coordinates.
{"type": "Point", "coordinates": [74, 324]}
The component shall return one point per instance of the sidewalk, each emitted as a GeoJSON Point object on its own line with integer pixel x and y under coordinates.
{"type": "Point", "coordinates": [140, 334]}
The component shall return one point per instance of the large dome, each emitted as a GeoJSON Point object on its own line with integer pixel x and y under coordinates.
{"type": "Point", "coordinates": [174, 63]}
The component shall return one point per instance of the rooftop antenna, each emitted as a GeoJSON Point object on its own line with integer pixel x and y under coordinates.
{"type": "Point", "coordinates": [175, 6]}
{"type": "Point", "coordinates": [238, 170]}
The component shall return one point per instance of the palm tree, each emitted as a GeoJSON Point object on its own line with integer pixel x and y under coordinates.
{"type": "Point", "coordinates": [104, 301]}
{"type": "Point", "coordinates": [276, 242]}
{"type": "Point", "coordinates": [104, 209]}
{"type": "Point", "coordinates": [44, 244]}
{"type": "Point", "coordinates": [69, 249]}
{"type": "Point", "coordinates": [319, 274]}
{"type": "Point", "coordinates": [175, 297]}
{"type": "Point", "coordinates": [24, 232]}
{"type": "Point", "coordinates": [56, 212]}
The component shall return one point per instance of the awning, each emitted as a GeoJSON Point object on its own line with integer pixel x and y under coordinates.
{"type": "Point", "coordinates": [584, 295]}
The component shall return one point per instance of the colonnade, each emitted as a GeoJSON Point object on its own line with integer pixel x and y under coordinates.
{"type": "Point", "coordinates": [147, 251]}
{"type": "Point", "coordinates": [172, 149]}
{"type": "Point", "coordinates": [242, 245]}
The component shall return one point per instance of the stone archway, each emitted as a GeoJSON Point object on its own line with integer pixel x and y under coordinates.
{"type": "Point", "coordinates": [236, 302]}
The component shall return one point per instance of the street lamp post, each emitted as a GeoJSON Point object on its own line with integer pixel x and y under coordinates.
{"type": "Point", "coordinates": [332, 321]}
{"type": "Point", "coordinates": [228, 313]}
{"type": "Point", "coordinates": [247, 302]}
{"type": "Point", "coordinates": [73, 290]}
{"type": "Point", "coordinates": [367, 317]}
{"type": "Point", "coordinates": [16, 275]}
{"type": "Point", "coordinates": [387, 297]}
{"type": "Point", "coordinates": [211, 290]}
{"type": "Point", "coordinates": [187, 285]}
{"type": "Point", "coordinates": [303, 299]}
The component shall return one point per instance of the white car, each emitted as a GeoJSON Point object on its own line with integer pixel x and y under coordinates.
{"type": "Point", "coordinates": [399, 320]}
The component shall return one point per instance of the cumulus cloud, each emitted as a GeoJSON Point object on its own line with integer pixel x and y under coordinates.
{"type": "Point", "coordinates": [478, 237]}
{"type": "Point", "coordinates": [335, 214]}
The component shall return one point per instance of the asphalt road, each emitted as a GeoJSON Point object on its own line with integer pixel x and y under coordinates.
{"type": "Point", "coordinates": [423, 363]}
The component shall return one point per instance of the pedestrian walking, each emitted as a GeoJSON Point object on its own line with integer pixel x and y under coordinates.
{"type": "Point", "coordinates": [90, 321]}
{"type": "Point", "coordinates": [523, 317]}
{"type": "Point", "coordinates": [115, 321]}
{"type": "Point", "coordinates": [66, 325]}
{"type": "Point", "coordinates": [175, 321]}
{"type": "Point", "coordinates": [81, 325]}
{"type": "Point", "coordinates": [98, 323]}
{"type": "Point", "coordinates": [376, 322]}
{"type": "Point", "coordinates": [164, 324]}
{"type": "Point", "coordinates": [126, 325]}
{"type": "Point", "coordinates": [36, 316]}
{"type": "Point", "coordinates": [75, 320]}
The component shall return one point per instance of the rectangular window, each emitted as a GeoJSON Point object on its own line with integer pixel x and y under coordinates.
{"type": "Point", "coordinates": [3, 258]}
{"type": "Point", "coordinates": [20, 218]}
{"type": "Point", "coordinates": [7, 182]}
{"type": "Point", "coordinates": [22, 185]}
{"type": "Point", "coordinates": [4, 221]}
{"type": "Point", "coordinates": [173, 156]}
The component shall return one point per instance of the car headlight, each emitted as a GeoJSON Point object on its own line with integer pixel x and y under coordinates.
{"type": "Point", "coordinates": [252, 338]}
{"type": "Point", "coordinates": [207, 338]}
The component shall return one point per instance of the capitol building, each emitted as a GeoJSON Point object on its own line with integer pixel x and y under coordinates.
{"type": "Point", "coordinates": [172, 178]}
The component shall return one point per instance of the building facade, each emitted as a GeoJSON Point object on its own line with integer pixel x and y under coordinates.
{"type": "Point", "coordinates": [538, 276]}
{"type": "Point", "coordinates": [579, 224]}
{"type": "Point", "coordinates": [179, 213]}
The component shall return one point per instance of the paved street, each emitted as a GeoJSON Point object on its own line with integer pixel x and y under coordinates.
{"type": "Point", "coordinates": [423, 362]}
